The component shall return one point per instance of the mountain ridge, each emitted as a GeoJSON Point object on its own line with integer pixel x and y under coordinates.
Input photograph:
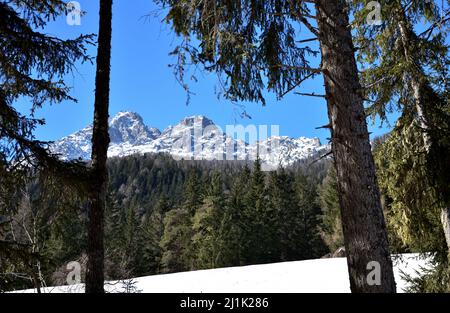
{"type": "Point", "coordinates": [194, 137]}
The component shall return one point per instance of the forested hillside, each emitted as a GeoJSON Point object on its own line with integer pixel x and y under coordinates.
{"type": "Point", "coordinates": [168, 216]}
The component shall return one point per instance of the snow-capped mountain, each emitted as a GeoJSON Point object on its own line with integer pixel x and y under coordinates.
{"type": "Point", "coordinates": [129, 127]}
{"type": "Point", "coordinates": [195, 137]}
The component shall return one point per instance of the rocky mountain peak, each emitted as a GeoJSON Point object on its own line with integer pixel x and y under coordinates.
{"type": "Point", "coordinates": [129, 127]}
{"type": "Point", "coordinates": [194, 137]}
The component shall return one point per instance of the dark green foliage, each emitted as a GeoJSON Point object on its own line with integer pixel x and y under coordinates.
{"type": "Point", "coordinates": [167, 216]}
{"type": "Point", "coordinates": [310, 217]}
{"type": "Point", "coordinates": [412, 207]}
{"type": "Point", "coordinates": [388, 83]}
{"type": "Point", "coordinates": [217, 214]}
{"type": "Point", "coordinates": [411, 75]}
{"type": "Point", "coordinates": [206, 226]}
{"type": "Point", "coordinates": [176, 241]}
{"type": "Point", "coordinates": [331, 226]}
{"type": "Point", "coordinates": [192, 193]}
{"type": "Point", "coordinates": [153, 230]}
{"type": "Point", "coordinates": [258, 220]}
{"type": "Point", "coordinates": [252, 44]}
{"type": "Point", "coordinates": [409, 72]}
{"type": "Point", "coordinates": [234, 221]}
{"type": "Point", "coordinates": [434, 280]}
{"type": "Point", "coordinates": [33, 65]}
{"type": "Point", "coordinates": [297, 216]}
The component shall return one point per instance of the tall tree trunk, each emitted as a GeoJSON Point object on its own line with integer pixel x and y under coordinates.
{"type": "Point", "coordinates": [100, 143]}
{"type": "Point", "coordinates": [421, 91]}
{"type": "Point", "coordinates": [364, 228]}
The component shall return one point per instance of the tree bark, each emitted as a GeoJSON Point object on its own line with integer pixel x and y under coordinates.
{"type": "Point", "coordinates": [364, 228]}
{"type": "Point", "coordinates": [420, 86]}
{"type": "Point", "coordinates": [100, 143]}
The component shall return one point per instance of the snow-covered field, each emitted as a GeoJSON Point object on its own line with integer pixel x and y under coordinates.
{"type": "Point", "coordinates": [321, 275]}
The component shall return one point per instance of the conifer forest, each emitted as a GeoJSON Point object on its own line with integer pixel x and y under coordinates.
{"type": "Point", "coordinates": [356, 96]}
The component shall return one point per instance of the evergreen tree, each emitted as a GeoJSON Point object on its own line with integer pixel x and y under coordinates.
{"type": "Point", "coordinates": [411, 74]}
{"type": "Point", "coordinates": [132, 242]}
{"type": "Point", "coordinates": [259, 220]}
{"type": "Point", "coordinates": [32, 65]}
{"type": "Point", "coordinates": [206, 226]}
{"type": "Point", "coordinates": [153, 227]}
{"type": "Point", "coordinates": [308, 220]}
{"type": "Point", "coordinates": [282, 201]}
{"type": "Point", "coordinates": [248, 41]}
{"type": "Point", "coordinates": [176, 241]}
{"type": "Point", "coordinates": [331, 226]}
{"type": "Point", "coordinates": [192, 192]}
{"type": "Point", "coordinates": [116, 265]}
{"type": "Point", "coordinates": [364, 227]}
{"type": "Point", "coordinates": [414, 206]}
{"type": "Point", "coordinates": [234, 222]}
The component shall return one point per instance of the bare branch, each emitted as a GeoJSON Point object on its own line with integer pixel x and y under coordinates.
{"type": "Point", "coordinates": [308, 40]}
{"type": "Point", "coordinates": [310, 95]}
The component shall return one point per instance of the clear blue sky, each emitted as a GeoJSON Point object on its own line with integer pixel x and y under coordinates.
{"type": "Point", "coordinates": [141, 81]}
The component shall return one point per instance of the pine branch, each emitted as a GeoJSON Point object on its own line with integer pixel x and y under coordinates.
{"type": "Point", "coordinates": [311, 28]}
{"type": "Point", "coordinates": [297, 84]}
{"type": "Point", "coordinates": [321, 158]}
{"type": "Point", "coordinates": [428, 32]}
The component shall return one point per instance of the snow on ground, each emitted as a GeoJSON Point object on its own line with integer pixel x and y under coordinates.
{"type": "Point", "coordinates": [321, 275]}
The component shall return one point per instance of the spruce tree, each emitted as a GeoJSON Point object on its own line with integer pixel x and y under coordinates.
{"type": "Point", "coordinates": [259, 232]}
{"type": "Point", "coordinates": [410, 73]}
{"type": "Point", "coordinates": [32, 66]}
{"type": "Point", "coordinates": [206, 226]}
{"type": "Point", "coordinates": [176, 242]}
{"type": "Point", "coordinates": [331, 225]}
{"type": "Point", "coordinates": [252, 216]}
{"type": "Point", "coordinates": [132, 243]}
{"type": "Point", "coordinates": [234, 222]}
{"type": "Point", "coordinates": [115, 221]}
{"type": "Point", "coordinates": [283, 202]}
{"type": "Point", "coordinates": [249, 41]}
{"type": "Point", "coordinates": [308, 219]}
{"type": "Point", "coordinates": [414, 207]}
{"type": "Point", "coordinates": [192, 192]}
{"type": "Point", "coordinates": [153, 227]}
